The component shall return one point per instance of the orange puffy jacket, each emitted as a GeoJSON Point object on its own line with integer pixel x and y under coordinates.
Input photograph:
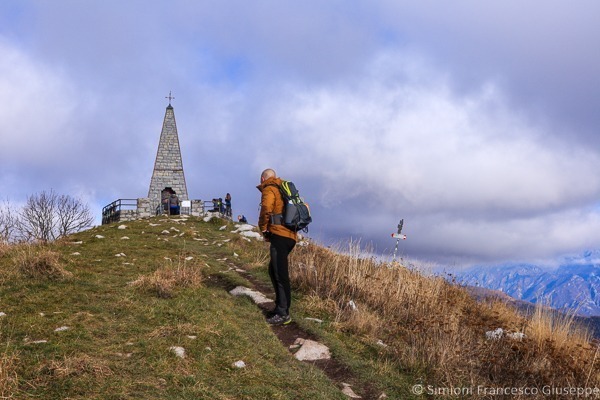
{"type": "Point", "coordinates": [271, 203]}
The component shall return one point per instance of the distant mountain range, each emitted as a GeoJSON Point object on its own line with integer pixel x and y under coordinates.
{"type": "Point", "coordinates": [575, 285]}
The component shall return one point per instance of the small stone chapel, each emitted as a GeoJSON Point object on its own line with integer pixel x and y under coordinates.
{"type": "Point", "coordinates": [167, 185]}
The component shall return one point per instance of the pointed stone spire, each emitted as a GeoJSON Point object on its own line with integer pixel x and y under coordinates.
{"type": "Point", "coordinates": [168, 167]}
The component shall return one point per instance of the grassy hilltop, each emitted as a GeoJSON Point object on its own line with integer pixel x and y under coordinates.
{"type": "Point", "coordinates": [102, 313]}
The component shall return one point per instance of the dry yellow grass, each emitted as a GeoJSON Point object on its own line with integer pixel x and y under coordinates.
{"type": "Point", "coordinates": [437, 328]}
{"type": "Point", "coordinates": [37, 261]}
{"type": "Point", "coordinates": [8, 375]}
{"type": "Point", "coordinates": [166, 279]}
{"type": "Point", "coordinates": [75, 366]}
{"type": "Point", "coordinates": [546, 324]}
{"type": "Point", "coordinates": [4, 248]}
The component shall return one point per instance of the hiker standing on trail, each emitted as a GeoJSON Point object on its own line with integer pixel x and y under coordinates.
{"type": "Point", "coordinates": [282, 242]}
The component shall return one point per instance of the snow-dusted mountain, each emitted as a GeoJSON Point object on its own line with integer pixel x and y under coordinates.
{"type": "Point", "coordinates": [574, 285]}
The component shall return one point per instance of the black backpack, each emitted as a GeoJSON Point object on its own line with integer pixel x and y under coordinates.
{"type": "Point", "coordinates": [296, 214]}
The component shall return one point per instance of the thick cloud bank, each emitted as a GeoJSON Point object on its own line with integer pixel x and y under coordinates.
{"type": "Point", "coordinates": [476, 123]}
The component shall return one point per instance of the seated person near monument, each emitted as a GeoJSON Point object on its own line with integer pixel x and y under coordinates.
{"type": "Point", "coordinates": [242, 219]}
{"type": "Point", "coordinates": [173, 205]}
{"type": "Point", "coordinates": [215, 205]}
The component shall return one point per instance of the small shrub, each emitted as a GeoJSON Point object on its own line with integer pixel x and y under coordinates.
{"type": "Point", "coordinates": [258, 255]}
{"type": "Point", "coordinates": [38, 262]}
{"type": "Point", "coordinates": [8, 375]}
{"type": "Point", "coordinates": [549, 326]}
{"type": "Point", "coordinates": [4, 248]}
{"type": "Point", "coordinates": [165, 280]}
{"type": "Point", "coordinates": [75, 366]}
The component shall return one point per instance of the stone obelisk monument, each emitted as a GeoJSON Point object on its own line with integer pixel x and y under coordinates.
{"type": "Point", "coordinates": [168, 176]}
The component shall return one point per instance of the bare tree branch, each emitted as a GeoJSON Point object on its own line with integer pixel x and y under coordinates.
{"type": "Point", "coordinates": [37, 220]}
{"type": "Point", "coordinates": [8, 222]}
{"type": "Point", "coordinates": [73, 216]}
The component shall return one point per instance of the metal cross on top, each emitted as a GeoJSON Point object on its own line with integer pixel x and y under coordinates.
{"type": "Point", "coordinates": [398, 236]}
{"type": "Point", "coordinates": [169, 97]}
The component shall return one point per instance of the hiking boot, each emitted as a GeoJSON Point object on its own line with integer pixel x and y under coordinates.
{"type": "Point", "coordinates": [279, 320]}
{"type": "Point", "coordinates": [270, 313]}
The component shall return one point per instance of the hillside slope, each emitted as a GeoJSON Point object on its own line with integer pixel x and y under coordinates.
{"type": "Point", "coordinates": [108, 321]}
{"type": "Point", "coordinates": [144, 311]}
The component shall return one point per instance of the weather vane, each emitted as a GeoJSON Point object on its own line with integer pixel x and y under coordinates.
{"type": "Point", "coordinates": [169, 97]}
{"type": "Point", "coordinates": [398, 235]}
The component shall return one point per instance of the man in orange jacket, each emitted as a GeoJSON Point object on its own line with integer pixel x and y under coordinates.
{"type": "Point", "coordinates": [282, 242]}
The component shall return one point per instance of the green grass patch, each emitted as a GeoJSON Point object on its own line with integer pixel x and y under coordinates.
{"type": "Point", "coordinates": [98, 336]}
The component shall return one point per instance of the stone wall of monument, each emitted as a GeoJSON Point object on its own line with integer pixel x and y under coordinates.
{"type": "Point", "coordinates": [168, 167]}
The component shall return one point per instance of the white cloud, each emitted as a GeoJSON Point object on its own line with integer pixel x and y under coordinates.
{"type": "Point", "coordinates": [337, 97]}
{"type": "Point", "coordinates": [38, 110]}
{"type": "Point", "coordinates": [477, 179]}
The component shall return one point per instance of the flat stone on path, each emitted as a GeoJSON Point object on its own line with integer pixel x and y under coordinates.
{"type": "Point", "coordinates": [256, 296]}
{"type": "Point", "coordinates": [311, 350]}
{"type": "Point", "coordinates": [347, 390]}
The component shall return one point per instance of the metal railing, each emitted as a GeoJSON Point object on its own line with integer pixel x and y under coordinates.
{"type": "Point", "coordinates": [112, 212]}
{"type": "Point", "coordinates": [184, 208]}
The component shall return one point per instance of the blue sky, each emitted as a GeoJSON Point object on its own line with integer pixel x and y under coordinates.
{"type": "Point", "coordinates": [477, 122]}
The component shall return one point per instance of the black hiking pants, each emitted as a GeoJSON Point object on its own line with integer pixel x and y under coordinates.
{"type": "Point", "coordinates": [279, 273]}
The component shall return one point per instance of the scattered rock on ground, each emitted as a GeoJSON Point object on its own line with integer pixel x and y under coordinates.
{"type": "Point", "coordinates": [36, 342]}
{"type": "Point", "coordinates": [179, 351]}
{"type": "Point", "coordinates": [256, 296]}
{"type": "Point", "coordinates": [347, 390]}
{"type": "Point", "coordinates": [122, 227]}
{"type": "Point", "coordinates": [317, 320]}
{"type": "Point", "coordinates": [99, 237]}
{"type": "Point", "coordinates": [62, 329]}
{"type": "Point", "coordinates": [311, 350]}
{"type": "Point", "coordinates": [250, 234]}
{"type": "Point", "coordinates": [239, 364]}
{"type": "Point", "coordinates": [242, 228]}
{"type": "Point", "coordinates": [2, 314]}
{"type": "Point", "coordinates": [495, 334]}
{"type": "Point", "coordinates": [352, 305]}
{"type": "Point", "coordinates": [516, 336]}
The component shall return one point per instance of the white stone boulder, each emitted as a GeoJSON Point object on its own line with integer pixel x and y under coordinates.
{"type": "Point", "coordinates": [179, 351]}
{"type": "Point", "coordinates": [311, 350]}
{"type": "Point", "coordinates": [251, 234]}
{"type": "Point", "coordinates": [256, 296]}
